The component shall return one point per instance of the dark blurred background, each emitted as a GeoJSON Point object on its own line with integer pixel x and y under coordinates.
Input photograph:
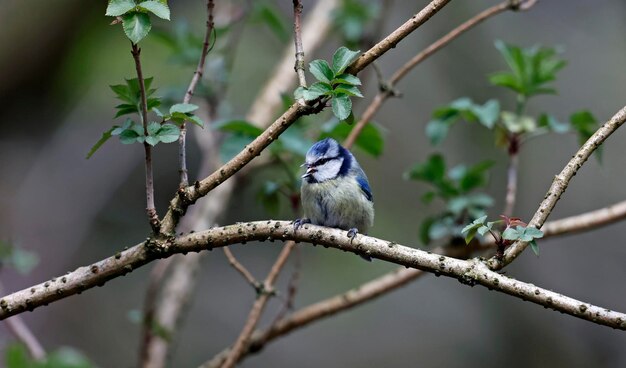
{"type": "Point", "coordinates": [57, 59]}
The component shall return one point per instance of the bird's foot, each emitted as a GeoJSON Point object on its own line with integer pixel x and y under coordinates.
{"type": "Point", "coordinates": [352, 233]}
{"type": "Point", "coordinates": [299, 222]}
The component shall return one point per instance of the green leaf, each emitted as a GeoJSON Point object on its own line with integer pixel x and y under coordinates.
{"type": "Point", "coordinates": [424, 230]}
{"type": "Point", "coordinates": [241, 127]}
{"type": "Point", "coordinates": [348, 90]}
{"type": "Point", "coordinates": [23, 260]}
{"type": "Point", "coordinates": [16, 356]}
{"type": "Point", "coordinates": [136, 26]}
{"type": "Point", "coordinates": [534, 247]}
{"type": "Point", "coordinates": [131, 135]}
{"type": "Point", "coordinates": [153, 127]}
{"type": "Point", "coordinates": [511, 234]}
{"type": "Point", "coordinates": [346, 78]}
{"type": "Point", "coordinates": [118, 130]}
{"type": "Point", "coordinates": [195, 120]}
{"type": "Point", "coordinates": [370, 140]}
{"type": "Point", "coordinates": [157, 8]}
{"type": "Point", "coordinates": [271, 16]}
{"type": "Point", "coordinates": [433, 170]}
{"type": "Point", "coordinates": [298, 93]}
{"type": "Point", "coordinates": [316, 90]}
{"type": "Point", "coordinates": [183, 108]}
{"type": "Point", "coordinates": [342, 58]}
{"type": "Point", "coordinates": [534, 232]}
{"type": "Point", "coordinates": [518, 124]}
{"type": "Point", "coordinates": [168, 133]}
{"type": "Point", "coordinates": [585, 125]}
{"type": "Point", "coordinates": [342, 106]}
{"type": "Point", "coordinates": [66, 357]}
{"type": "Point", "coordinates": [119, 7]}
{"type": "Point", "coordinates": [105, 137]}
{"type": "Point", "coordinates": [232, 145]}
{"type": "Point", "coordinates": [488, 113]}
{"type": "Point", "coordinates": [553, 124]}
{"type": "Point", "coordinates": [152, 140]}
{"type": "Point", "coordinates": [321, 70]}
{"type": "Point", "coordinates": [437, 130]}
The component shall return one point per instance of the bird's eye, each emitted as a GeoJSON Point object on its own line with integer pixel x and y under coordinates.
{"type": "Point", "coordinates": [322, 161]}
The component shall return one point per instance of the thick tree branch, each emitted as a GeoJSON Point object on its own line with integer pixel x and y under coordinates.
{"type": "Point", "coordinates": [469, 272]}
{"type": "Point", "coordinates": [190, 195]}
{"type": "Point", "coordinates": [153, 217]}
{"type": "Point", "coordinates": [560, 183]}
{"type": "Point", "coordinates": [197, 75]}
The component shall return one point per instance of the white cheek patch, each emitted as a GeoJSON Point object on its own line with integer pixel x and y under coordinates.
{"type": "Point", "coordinates": [329, 170]}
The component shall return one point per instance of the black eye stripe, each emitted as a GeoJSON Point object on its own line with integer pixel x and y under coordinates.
{"type": "Point", "coordinates": [324, 160]}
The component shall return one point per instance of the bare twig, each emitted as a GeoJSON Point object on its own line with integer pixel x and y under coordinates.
{"type": "Point", "coordinates": [586, 221]}
{"type": "Point", "coordinates": [511, 182]}
{"type": "Point", "coordinates": [153, 217]}
{"type": "Point", "coordinates": [259, 305]}
{"type": "Point", "coordinates": [242, 270]}
{"type": "Point", "coordinates": [23, 334]}
{"type": "Point", "coordinates": [388, 89]}
{"type": "Point", "coordinates": [182, 155]}
{"type": "Point", "coordinates": [560, 183]}
{"type": "Point", "coordinates": [292, 287]}
{"type": "Point", "coordinates": [297, 36]}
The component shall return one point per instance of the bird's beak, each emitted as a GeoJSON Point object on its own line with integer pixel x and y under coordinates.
{"type": "Point", "coordinates": [309, 171]}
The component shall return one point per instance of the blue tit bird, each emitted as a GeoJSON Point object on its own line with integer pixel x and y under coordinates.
{"type": "Point", "coordinates": [335, 191]}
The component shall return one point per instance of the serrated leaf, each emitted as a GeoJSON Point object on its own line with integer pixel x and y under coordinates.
{"type": "Point", "coordinates": [152, 140]}
{"type": "Point", "coordinates": [119, 7]}
{"type": "Point", "coordinates": [342, 58]}
{"type": "Point", "coordinates": [483, 230]}
{"type": "Point", "coordinates": [157, 8]}
{"type": "Point", "coordinates": [105, 137]}
{"type": "Point", "coordinates": [136, 26]}
{"type": "Point", "coordinates": [346, 78]}
{"type": "Point", "coordinates": [153, 127]}
{"type": "Point", "coordinates": [510, 234]}
{"type": "Point", "coordinates": [183, 108]}
{"type": "Point", "coordinates": [195, 120]}
{"type": "Point", "coordinates": [118, 130]}
{"type": "Point", "coordinates": [125, 109]}
{"type": "Point", "coordinates": [316, 90]}
{"type": "Point", "coordinates": [129, 136]}
{"type": "Point", "coordinates": [341, 106]}
{"type": "Point", "coordinates": [168, 133]}
{"type": "Point", "coordinates": [321, 70]}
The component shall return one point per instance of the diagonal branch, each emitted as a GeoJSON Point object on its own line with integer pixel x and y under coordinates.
{"type": "Point", "coordinates": [560, 183]}
{"type": "Point", "coordinates": [247, 275]}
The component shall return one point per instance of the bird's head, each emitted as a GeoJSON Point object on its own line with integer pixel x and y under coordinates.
{"type": "Point", "coordinates": [326, 160]}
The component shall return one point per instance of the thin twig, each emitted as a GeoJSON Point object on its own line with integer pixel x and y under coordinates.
{"type": "Point", "coordinates": [182, 155]}
{"type": "Point", "coordinates": [153, 217]}
{"type": "Point", "coordinates": [259, 305]}
{"type": "Point", "coordinates": [560, 183]}
{"type": "Point", "coordinates": [297, 37]}
{"type": "Point", "coordinates": [387, 89]}
{"type": "Point", "coordinates": [292, 288]}
{"type": "Point", "coordinates": [242, 269]}
{"type": "Point", "coordinates": [511, 182]}
{"type": "Point", "coordinates": [23, 334]}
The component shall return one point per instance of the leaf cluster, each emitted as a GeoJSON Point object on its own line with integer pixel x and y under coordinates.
{"type": "Point", "coordinates": [514, 230]}
{"type": "Point", "coordinates": [135, 16]}
{"type": "Point", "coordinates": [454, 187]}
{"type": "Point", "coordinates": [333, 82]}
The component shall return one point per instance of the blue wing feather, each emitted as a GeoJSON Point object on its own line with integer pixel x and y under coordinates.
{"type": "Point", "coordinates": [365, 187]}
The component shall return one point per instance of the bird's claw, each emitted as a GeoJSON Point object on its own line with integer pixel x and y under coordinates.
{"type": "Point", "coordinates": [352, 233]}
{"type": "Point", "coordinates": [299, 222]}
